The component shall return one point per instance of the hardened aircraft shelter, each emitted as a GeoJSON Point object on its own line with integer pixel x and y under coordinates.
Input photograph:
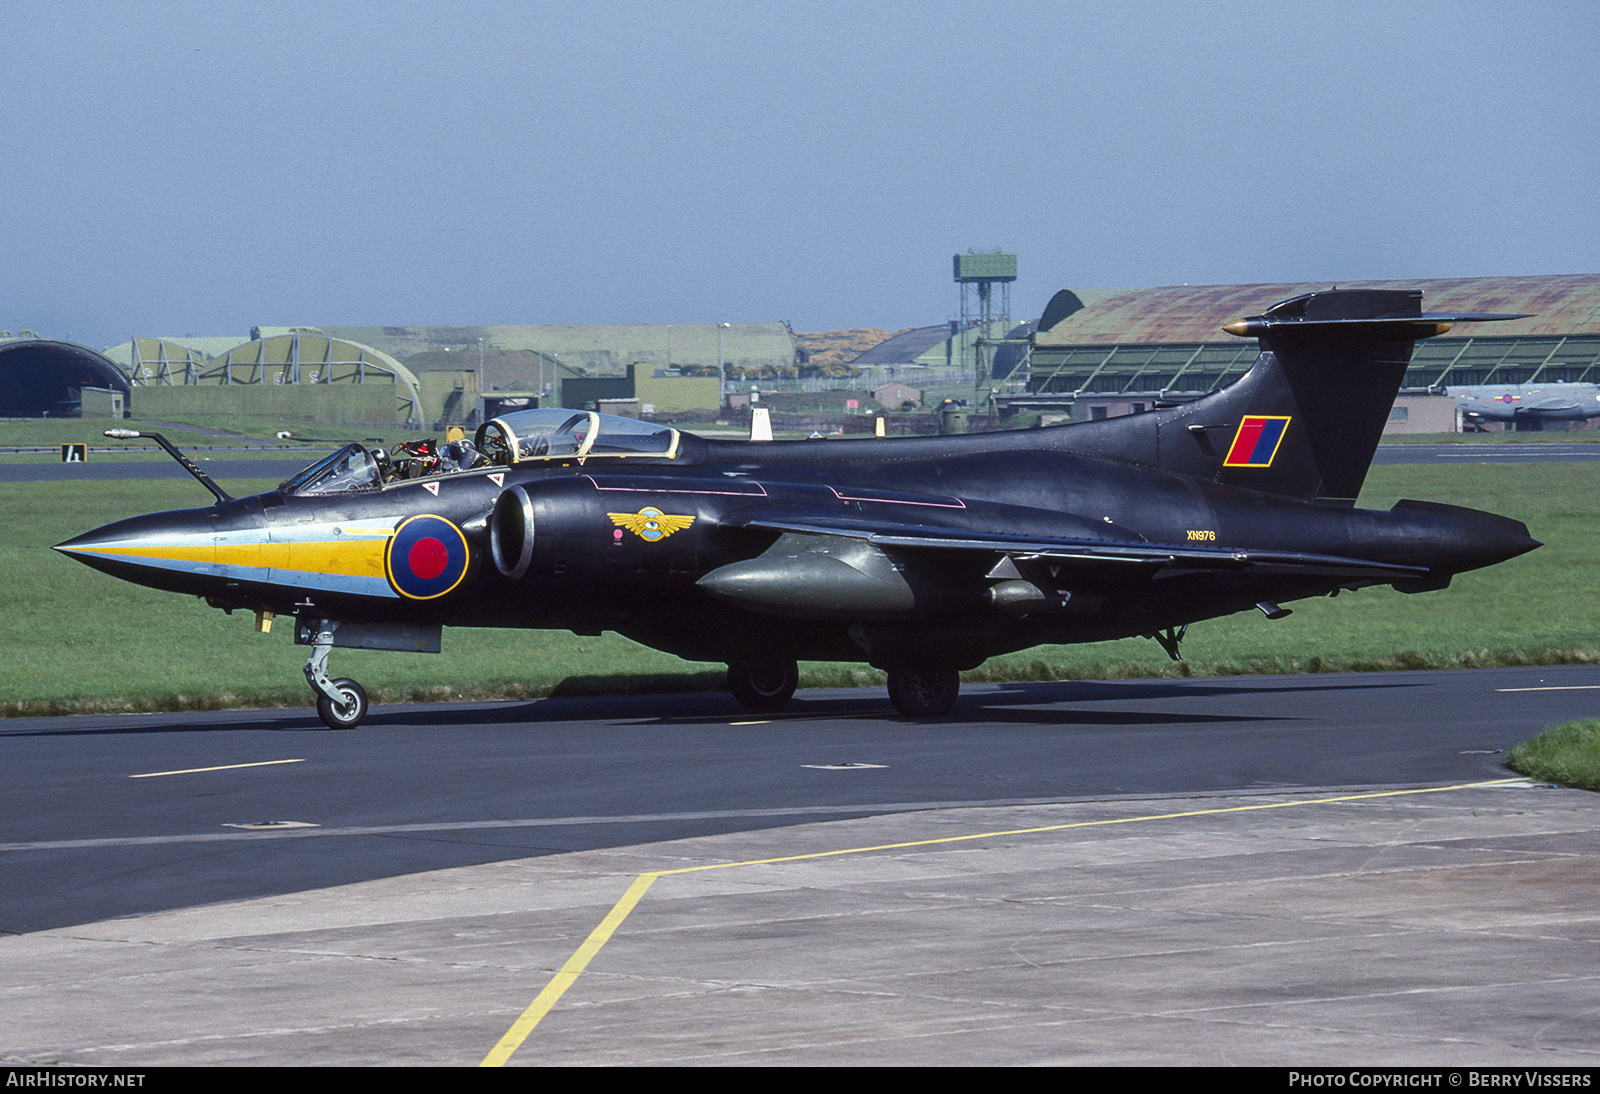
{"type": "Point", "coordinates": [296, 372]}
{"type": "Point", "coordinates": [47, 377]}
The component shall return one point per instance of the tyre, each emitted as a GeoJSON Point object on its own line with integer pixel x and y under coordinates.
{"type": "Point", "coordinates": [764, 685]}
{"type": "Point", "coordinates": [348, 714]}
{"type": "Point", "coordinates": [923, 694]}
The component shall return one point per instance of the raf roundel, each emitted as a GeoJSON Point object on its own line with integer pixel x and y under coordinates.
{"type": "Point", "coordinates": [426, 558]}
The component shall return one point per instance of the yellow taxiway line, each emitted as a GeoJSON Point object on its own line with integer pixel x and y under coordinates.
{"type": "Point", "coordinates": [569, 973]}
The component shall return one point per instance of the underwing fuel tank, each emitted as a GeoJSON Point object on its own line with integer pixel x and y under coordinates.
{"type": "Point", "coordinates": [823, 577]}
{"type": "Point", "coordinates": [816, 577]}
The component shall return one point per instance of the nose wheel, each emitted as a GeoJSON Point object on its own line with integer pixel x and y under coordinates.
{"type": "Point", "coordinates": [341, 703]}
{"type": "Point", "coordinates": [347, 713]}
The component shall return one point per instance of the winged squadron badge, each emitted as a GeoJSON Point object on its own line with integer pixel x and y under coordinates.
{"type": "Point", "coordinates": [650, 523]}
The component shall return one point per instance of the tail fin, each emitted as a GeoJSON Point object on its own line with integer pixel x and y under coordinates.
{"type": "Point", "coordinates": [1305, 421]}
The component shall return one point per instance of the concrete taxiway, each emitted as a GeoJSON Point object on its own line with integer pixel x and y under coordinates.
{"type": "Point", "coordinates": [1341, 926]}
{"type": "Point", "coordinates": [1184, 871]}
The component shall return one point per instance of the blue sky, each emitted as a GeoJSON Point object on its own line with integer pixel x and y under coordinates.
{"type": "Point", "coordinates": [195, 168]}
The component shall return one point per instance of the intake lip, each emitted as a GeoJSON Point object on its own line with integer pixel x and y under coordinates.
{"type": "Point", "coordinates": [511, 532]}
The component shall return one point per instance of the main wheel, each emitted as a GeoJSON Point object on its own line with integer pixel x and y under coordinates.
{"type": "Point", "coordinates": [348, 714]}
{"type": "Point", "coordinates": [764, 685]}
{"type": "Point", "coordinates": [923, 694]}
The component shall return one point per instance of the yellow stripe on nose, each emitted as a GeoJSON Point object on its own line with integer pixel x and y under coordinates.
{"type": "Point", "coordinates": [361, 558]}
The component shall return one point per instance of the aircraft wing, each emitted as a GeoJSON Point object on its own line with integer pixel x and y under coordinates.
{"type": "Point", "coordinates": [1166, 560]}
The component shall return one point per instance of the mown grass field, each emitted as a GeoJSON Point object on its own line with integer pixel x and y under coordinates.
{"type": "Point", "coordinates": [76, 640]}
{"type": "Point", "coordinates": [1569, 755]}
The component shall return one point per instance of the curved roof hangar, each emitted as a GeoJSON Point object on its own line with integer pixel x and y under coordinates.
{"type": "Point", "coordinates": [1170, 340]}
{"type": "Point", "coordinates": [1557, 304]}
{"type": "Point", "coordinates": [39, 377]}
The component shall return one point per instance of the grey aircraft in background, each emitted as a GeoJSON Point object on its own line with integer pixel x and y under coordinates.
{"type": "Point", "coordinates": [1527, 405]}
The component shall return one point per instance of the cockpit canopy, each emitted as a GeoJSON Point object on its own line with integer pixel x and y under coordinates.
{"type": "Point", "coordinates": [551, 434]}
{"type": "Point", "coordinates": [350, 469]}
{"type": "Point", "coordinates": [525, 436]}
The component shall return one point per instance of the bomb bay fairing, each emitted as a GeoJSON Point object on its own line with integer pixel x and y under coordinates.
{"type": "Point", "coordinates": [920, 556]}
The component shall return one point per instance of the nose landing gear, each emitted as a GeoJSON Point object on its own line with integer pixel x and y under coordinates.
{"type": "Point", "coordinates": [347, 713]}
{"type": "Point", "coordinates": [341, 703]}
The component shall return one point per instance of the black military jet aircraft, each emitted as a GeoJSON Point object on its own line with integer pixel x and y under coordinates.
{"type": "Point", "coordinates": [921, 556]}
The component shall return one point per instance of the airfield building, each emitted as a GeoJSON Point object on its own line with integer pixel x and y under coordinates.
{"type": "Point", "coordinates": [1107, 353]}
{"type": "Point", "coordinates": [418, 376]}
{"type": "Point", "coordinates": [1095, 354]}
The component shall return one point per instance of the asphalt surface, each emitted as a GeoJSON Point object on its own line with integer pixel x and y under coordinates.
{"type": "Point", "coordinates": [1530, 452]}
{"type": "Point", "coordinates": [1188, 871]}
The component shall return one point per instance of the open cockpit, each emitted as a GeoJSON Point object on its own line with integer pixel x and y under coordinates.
{"type": "Point", "coordinates": [523, 438]}
{"type": "Point", "coordinates": [530, 435]}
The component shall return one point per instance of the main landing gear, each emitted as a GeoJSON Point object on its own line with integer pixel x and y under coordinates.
{"type": "Point", "coordinates": [342, 703]}
{"type": "Point", "coordinates": [918, 694]}
{"type": "Point", "coordinates": [769, 685]}
{"type": "Point", "coordinates": [763, 685]}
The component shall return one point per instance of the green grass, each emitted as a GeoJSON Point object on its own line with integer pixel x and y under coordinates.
{"type": "Point", "coordinates": [1569, 755]}
{"type": "Point", "coordinates": [192, 433]}
{"type": "Point", "coordinates": [77, 640]}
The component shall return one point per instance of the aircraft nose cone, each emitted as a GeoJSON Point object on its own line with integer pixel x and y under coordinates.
{"type": "Point", "coordinates": [164, 550]}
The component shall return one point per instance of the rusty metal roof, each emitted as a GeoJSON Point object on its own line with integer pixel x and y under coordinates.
{"type": "Point", "coordinates": [1559, 304]}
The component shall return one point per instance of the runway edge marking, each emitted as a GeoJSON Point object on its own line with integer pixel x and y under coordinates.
{"type": "Point", "coordinates": [546, 1000]}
